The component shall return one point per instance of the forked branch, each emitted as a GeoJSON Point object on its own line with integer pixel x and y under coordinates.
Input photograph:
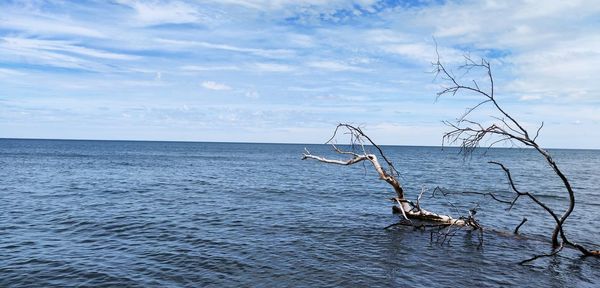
{"type": "Point", "coordinates": [470, 134]}
{"type": "Point", "coordinates": [358, 152]}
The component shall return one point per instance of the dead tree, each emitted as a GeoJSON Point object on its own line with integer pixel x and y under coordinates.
{"type": "Point", "coordinates": [358, 153]}
{"type": "Point", "coordinates": [471, 134]}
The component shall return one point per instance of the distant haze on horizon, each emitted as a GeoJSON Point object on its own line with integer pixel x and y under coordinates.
{"type": "Point", "coordinates": [289, 71]}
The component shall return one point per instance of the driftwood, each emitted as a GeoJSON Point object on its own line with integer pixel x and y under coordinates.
{"type": "Point", "coordinates": [358, 153]}
{"type": "Point", "coordinates": [470, 134]}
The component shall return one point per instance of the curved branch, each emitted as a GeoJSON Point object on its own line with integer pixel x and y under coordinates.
{"type": "Point", "coordinates": [470, 135]}
{"type": "Point", "coordinates": [356, 136]}
{"type": "Point", "coordinates": [408, 210]}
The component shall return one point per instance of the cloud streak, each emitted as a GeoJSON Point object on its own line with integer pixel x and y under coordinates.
{"type": "Point", "coordinates": [152, 13]}
{"type": "Point", "coordinates": [211, 85]}
{"type": "Point", "coordinates": [342, 61]}
{"type": "Point", "coordinates": [269, 53]}
{"type": "Point", "coordinates": [335, 66]}
{"type": "Point", "coordinates": [26, 44]}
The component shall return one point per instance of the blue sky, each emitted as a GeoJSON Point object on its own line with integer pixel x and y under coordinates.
{"type": "Point", "coordinates": [289, 71]}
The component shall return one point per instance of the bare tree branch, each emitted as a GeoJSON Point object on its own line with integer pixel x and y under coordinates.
{"type": "Point", "coordinates": [469, 135]}
{"type": "Point", "coordinates": [359, 153]}
{"type": "Point", "coordinates": [519, 226]}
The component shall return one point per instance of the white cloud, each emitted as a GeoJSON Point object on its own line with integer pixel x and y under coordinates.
{"type": "Point", "coordinates": [335, 66]}
{"type": "Point", "coordinates": [260, 67]}
{"type": "Point", "coordinates": [210, 68]}
{"type": "Point", "coordinates": [272, 67]}
{"type": "Point", "coordinates": [302, 5]}
{"type": "Point", "coordinates": [10, 72]}
{"type": "Point", "coordinates": [341, 98]}
{"type": "Point", "coordinates": [44, 58]}
{"type": "Point", "coordinates": [301, 40]}
{"type": "Point", "coordinates": [417, 51]}
{"type": "Point", "coordinates": [158, 12]}
{"type": "Point", "coordinates": [252, 94]}
{"type": "Point", "coordinates": [424, 52]}
{"type": "Point", "coordinates": [44, 26]}
{"type": "Point", "coordinates": [560, 69]}
{"type": "Point", "coordinates": [542, 53]}
{"type": "Point", "coordinates": [211, 85]}
{"type": "Point", "coordinates": [549, 49]}
{"type": "Point", "coordinates": [25, 44]}
{"type": "Point", "coordinates": [269, 53]}
{"type": "Point", "coordinates": [530, 97]}
{"type": "Point", "coordinates": [386, 36]}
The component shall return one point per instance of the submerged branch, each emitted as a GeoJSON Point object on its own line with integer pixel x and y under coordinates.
{"type": "Point", "coordinates": [504, 129]}
{"type": "Point", "coordinates": [405, 207]}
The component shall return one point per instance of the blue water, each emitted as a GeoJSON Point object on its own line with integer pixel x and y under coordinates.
{"type": "Point", "coordinates": [167, 214]}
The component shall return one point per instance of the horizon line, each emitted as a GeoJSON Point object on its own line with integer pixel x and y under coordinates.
{"type": "Point", "coordinates": [267, 143]}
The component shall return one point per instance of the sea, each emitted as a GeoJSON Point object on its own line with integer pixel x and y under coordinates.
{"type": "Point", "coordinates": [191, 214]}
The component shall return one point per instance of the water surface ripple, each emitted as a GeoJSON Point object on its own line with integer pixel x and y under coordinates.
{"type": "Point", "coordinates": [168, 214]}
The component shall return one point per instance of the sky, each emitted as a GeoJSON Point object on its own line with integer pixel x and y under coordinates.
{"type": "Point", "coordinates": [288, 71]}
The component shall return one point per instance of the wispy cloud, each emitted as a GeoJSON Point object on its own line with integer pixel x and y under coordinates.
{"type": "Point", "coordinates": [210, 68]}
{"type": "Point", "coordinates": [337, 60]}
{"type": "Point", "coordinates": [252, 94]}
{"type": "Point", "coordinates": [259, 67]}
{"type": "Point", "coordinates": [211, 85]}
{"type": "Point", "coordinates": [422, 51]}
{"type": "Point", "coordinates": [157, 12]}
{"type": "Point", "coordinates": [61, 54]}
{"type": "Point", "coordinates": [335, 66]}
{"type": "Point", "coordinates": [24, 44]}
{"type": "Point", "coordinates": [272, 67]}
{"type": "Point", "coordinates": [269, 53]}
{"type": "Point", "coordinates": [315, 6]}
{"type": "Point", "coordinates": [45, 26]}
{"type": "Point", "coordinates": [11, 72]}
{"type": "Point", "coordinates": [530, 97]}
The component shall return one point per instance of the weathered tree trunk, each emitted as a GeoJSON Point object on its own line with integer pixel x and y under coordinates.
{"type": "Point", "coordinates": [405, 206]}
